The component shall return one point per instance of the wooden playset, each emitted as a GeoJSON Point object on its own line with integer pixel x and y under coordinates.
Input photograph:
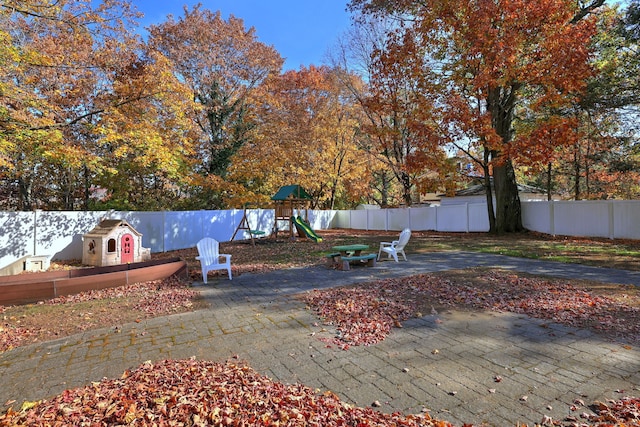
{"type": "Point", "coordinates": [289, 200]}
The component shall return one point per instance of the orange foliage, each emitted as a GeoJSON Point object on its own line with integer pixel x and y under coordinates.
{"type": "Point", "coordinates": [540, 144]}
{"type": "Point", "coordinates": [306, 135]}
{"type": "Point", "coordinates": [488, 52]}
{"type": "Point", "coordinates": [222, 63]}
{"type": "Point", "coordinates": [492, 62]}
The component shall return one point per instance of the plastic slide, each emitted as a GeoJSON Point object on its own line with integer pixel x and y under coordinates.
{"type": "Point", "coordinates": [301, 224]}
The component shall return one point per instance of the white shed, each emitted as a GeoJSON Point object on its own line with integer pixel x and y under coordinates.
{"type": "Point", "coordinates": [112, 242]}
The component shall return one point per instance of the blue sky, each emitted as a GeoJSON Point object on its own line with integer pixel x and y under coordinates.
{"type": "Point", "coordinates": [301, 30]}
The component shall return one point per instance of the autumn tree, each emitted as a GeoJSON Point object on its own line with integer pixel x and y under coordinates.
{"type": "Point", "coordinates": [601, 161]}
{"type": "Point", "coordinates": [68, 66]}
{"type": "Point", "coordinates": [399, 127]}
{"type": "Point", "coordinates": [617, 59]}
{"type": "Point", "coordinates": [147, 144]}
{"type": "Point", "coordinates": [491, 59]}
{"type": "Point", "coordinates": [306, 133]}
{"type": "Point", "coordinates": [609, 109]}
{"type": "Point", "coordinates": [222, 63]}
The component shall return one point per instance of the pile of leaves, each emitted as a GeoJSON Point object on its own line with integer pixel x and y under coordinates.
{"type": "Point", "coordinates": [22, 325]}
{"type": "Point", "coordinates": [366, 313]}
{"type": "Point", "coordinates": [200, 393]}
{"type": "Point", "coordinates": [623, 412]}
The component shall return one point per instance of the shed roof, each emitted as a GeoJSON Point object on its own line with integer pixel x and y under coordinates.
{"type": "Point", "coordinates": [479, 189]}
{"type": "Point", "coordinates": [106, 226]}
{"type": "Point", "coordinates": [291, 192]}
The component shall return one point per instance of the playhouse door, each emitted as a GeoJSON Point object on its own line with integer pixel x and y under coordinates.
{"type": "Point", "coordinates": [127, 248]}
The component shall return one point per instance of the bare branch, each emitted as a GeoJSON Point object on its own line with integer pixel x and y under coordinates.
{"type": "Point", "coordinates": [586, 10]}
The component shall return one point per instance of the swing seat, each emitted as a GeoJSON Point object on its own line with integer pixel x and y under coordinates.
{"type": "Point", "coordinates": [244, 225]}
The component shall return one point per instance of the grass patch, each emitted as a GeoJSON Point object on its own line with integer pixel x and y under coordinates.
{"type": "Point", "coordinates": [623, 254]}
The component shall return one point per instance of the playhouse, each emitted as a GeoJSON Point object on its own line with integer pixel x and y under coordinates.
{"type": "Point", "coordinates": [112, 242]}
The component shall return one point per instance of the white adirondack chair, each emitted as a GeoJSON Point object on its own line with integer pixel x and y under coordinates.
{"type": "Point", "coordinates": [211, 259]}
{"type": "Point", "coordinates": [392, 249]}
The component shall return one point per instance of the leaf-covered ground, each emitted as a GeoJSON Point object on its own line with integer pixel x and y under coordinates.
{"type": "Point", "coordinates": [201, 393]}
{"type": "Point", "coordinates": [63, 316]}
{"type": "Point", "coordinates": [366, 313]}
{"type": "Point", "coordinates": [204, 393]}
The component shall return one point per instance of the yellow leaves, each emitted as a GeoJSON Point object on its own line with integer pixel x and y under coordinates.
{"type": "Point", "coordinates": [9, 53]}
{"type": "Point", "coordinates": [72, 156]}
{"type": "Point", "coordinates": [307, 135]}
{"type": "Point", "coordinates": [28, 405]}
{"type": "Point", "coordinates": [131, 415]}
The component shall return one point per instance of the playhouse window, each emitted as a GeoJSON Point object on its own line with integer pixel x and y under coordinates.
{"type": "Point", "coordinates": [111, 245]}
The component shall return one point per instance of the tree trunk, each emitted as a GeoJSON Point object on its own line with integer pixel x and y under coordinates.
{"type": "Point", "coordinates": [501, 102]}
{"type": "Point", "coordinates": [25, 201]}
{"type": "Point", "coordinates": [87, 190]}
{"type": "Point", "coordinates": [508, 208]}
{"type": "Point", "coordinates": [383, 187]}
{"type": "Point", "coordinates": [67, 190]}
{"type": "Point", "coordinates": [587, 156]}
{"type": "Point", "coordinates": [489, 192]}
{"type": "Point", "coordinates": [406, 188]}
{"type": "Point", "coordinates": [576, 172]}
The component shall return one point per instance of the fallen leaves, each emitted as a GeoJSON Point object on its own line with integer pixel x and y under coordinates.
{"type": "Point", "coordinates": [192, 392]}
{"type": "Point", "coordinates": [152, 393]}
{"type": "Point", "coordinates": [366, 313]}
{"type": "Point", "coordinates": [72, 313]}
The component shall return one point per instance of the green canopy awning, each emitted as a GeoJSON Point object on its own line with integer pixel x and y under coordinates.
{"type": "Point", "coordinates": [291, 192]}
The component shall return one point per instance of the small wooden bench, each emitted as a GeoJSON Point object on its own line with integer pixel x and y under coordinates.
{"type": "Point", "coordinates": [369, 258]}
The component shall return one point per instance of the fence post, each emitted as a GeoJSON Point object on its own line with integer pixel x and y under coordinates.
{"type": "Point", "coordinates": [552, 219]}
{"type": "Point", "coordinates": [386, 220]}
{"type": "Point", "coordinates": [611, 220]}
{"type": "Point", "coordinates": [468, 219]}
{"type": "Point", "coordinates": [35, 231]}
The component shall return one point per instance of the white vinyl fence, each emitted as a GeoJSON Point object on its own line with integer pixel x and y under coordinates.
{"type": "Point", "coordinates": [467, 217]}
{"type": "Point", "coordinates": [613, 219]}
{"type": "Point", "coordinates": [58, 235]}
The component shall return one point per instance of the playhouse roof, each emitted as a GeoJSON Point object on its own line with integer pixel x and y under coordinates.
{"type": "Point", "coordinates": [291, 192]}
{"type": "Point", "coordinates": [106, 226]}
